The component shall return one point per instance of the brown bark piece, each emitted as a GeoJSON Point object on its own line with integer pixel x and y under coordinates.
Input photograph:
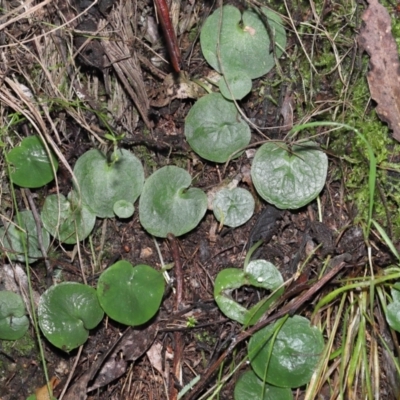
{"type": "Point", "coordinates": [384, 76]}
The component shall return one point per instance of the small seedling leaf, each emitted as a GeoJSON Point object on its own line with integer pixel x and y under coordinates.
{"type": "Point", "coordinates": [294, 356]}
{"type": "Point", "coordinates": [215, 130]}
{"type": "Point", "coordinates": [66, 220]}
{"type": "Point", "coordinates": [31, 166]}
{"type": "Point", "coordinates": [233, 207]}
{"type": "Point", "coordinates": [168, 206]}
{"type": "Point", "coordinates": [258, 273]}
{"type": "Point", "coordinates": [13, 321]}
{"type": "Point", "coordinates": [103, 182]}
{"type": "Point", "coordinates": [289, 178]}
{"type": "Point", "coordinates": [241, 43]}
{"type": "Point", "coordinates": [250, 387]}
{"type": "Point", "coordinates": [66, 313]}
{"type": "Point", "coordinates": [15, 239]}
{"type": "Point", "coordinates": [130, 295]}
{"type": "Point", "coordinates": [393, 315]}
{"type": "Point", "coordinates": [123, 209]}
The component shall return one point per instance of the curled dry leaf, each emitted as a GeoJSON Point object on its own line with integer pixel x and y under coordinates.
{"type": "Point", "coordinates": [176, 87]}
{"type": "Point", "coordinates": [384, 76]}
{"type": "Point", "coordinates": [43, 393]}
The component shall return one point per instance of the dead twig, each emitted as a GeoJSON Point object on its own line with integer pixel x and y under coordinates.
{"type": "Point", "coordinates": [169, 34]}
{"type": "Point", "coordinates": [178, 343]}
{"type": "Point", "coordinates": [36, 217]}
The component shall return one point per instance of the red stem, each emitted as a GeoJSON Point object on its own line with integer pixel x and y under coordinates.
{"type": "Point", "coordinates": [169, 34]}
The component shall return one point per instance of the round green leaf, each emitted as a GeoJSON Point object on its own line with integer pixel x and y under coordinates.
{"type": "Point", "coordinates": [123, 209]}
{"type": "Point", "coordinates": [243, 42]}
{"type": "Point", "coordinates": [14, 239]}
{"type": "Point", "coordinates": [167, 206]}
{"type": "Point", "coordinates": [66, 313]}
{"type": "Point", "coordinates": [289, 179]}
{"type": "Point", "coordinates": [103, 182]}
{"type": "Point", "coordinates": [30, 163]}
{"type": "Point", "coordinates": [214, 128]}
{"type": "Point", "coordinates": [258, 273]}
{"type": "Point", "coordinates": [239, 85]}
{"type": "Point", "coordinates": [13, 321]}
{"type": "Point", "coordinates": [294, 356]}
{"type": "Point", "coordinates": [233, 207]}
{"type": "Point", "coordinates": [66, 220]}
{"type": "Point", "coordinates": [250, 387]}
{"type": "Point", "coordinates": [393, 315]}
{"type": "Point", "coordinates": [130, 295]}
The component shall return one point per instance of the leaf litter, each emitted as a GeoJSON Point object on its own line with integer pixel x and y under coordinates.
{"type": "Point", "coordinates": [377, 40]}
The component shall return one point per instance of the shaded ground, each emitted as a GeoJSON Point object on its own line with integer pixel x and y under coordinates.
{"type": "Point", "coordinates": [122, 88]}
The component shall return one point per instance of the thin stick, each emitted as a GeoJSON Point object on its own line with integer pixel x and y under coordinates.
{"type": "Point", "coordinates": [78, 356]}
{"type": "Point", "coordinates": [36, 217]}
{"type": "Point", "coordinates": [178, 343]}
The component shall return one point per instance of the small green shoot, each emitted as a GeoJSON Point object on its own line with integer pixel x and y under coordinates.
{"type": "Point", "coordinates": [115, 139]}
{"type": "Point", "coordinates": [191, 322]}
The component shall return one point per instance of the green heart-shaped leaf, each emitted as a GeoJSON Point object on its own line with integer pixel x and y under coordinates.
{"type": "Point", "coordinates": [103, 182]}
{"type": "Point", "coordinates": [66, 313]}
{"type": "Point", "coordinates": [289, 178]}
{"type": "Point", "coordinates": [242, 42]}
{"type": "Point", "coordinates": [258, 273]}
{"type": "Point", "coordinates": [66, 220]}
{"type": "Point", "coordinates": [15, 239]}
{"type": "Point", "coordinates": [30, 164]}
{"type": "Point", "coordinates": [13, 320]}
{"type": "Point", "coordinates": [168, 206]}
{"type": "Point", "coordinates": [295, 352]}
{"type": "Point", "coordinates": [233, 207]}
{"type": "Point", "coordinates": [215, 130]}
{"type": "Point", "coordinates": [130, 295]}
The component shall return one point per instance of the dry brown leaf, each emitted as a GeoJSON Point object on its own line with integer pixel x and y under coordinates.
{"type": "Point", "coordinates": [43, 393]}
{"type": "Point", "coordinates": [154, 353]}
{"type": "Point", "coordinates": [384, 76]}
